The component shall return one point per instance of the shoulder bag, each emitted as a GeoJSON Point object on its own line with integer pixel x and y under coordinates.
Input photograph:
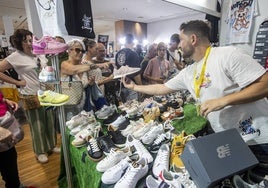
{"type": "Point", "coordinates": [74, 89]}
{"type": "Point", "coordinates": [10, 132]}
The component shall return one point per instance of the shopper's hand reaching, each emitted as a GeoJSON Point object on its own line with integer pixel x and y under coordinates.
{"type": "Point", "coordinates": [128, 83]}
{"type": "Point", "coordinates": [13, 105]}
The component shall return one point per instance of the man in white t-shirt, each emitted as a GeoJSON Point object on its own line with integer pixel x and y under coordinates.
{"type": "Point", "coordinates": [230, 86]}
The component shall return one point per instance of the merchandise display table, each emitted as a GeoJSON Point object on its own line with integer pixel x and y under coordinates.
{"type": "Point", "coordinates": [84, 170]}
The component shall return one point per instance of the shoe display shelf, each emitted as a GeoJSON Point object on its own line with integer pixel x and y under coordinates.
{"type": "Point", "coordinates": [64, 136]}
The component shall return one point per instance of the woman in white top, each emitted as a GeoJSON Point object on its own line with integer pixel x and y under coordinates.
{"type": "Point", "coordinates": [28, 66]}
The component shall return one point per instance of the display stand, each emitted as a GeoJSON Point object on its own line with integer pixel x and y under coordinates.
{"type": "Point", "coordinates": [64, 136]}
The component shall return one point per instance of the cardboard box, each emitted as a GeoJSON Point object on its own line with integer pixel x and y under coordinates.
{"type": "Point", "coordinates": [212, 158]}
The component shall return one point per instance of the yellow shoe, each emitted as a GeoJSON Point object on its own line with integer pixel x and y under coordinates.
{"type": "Point", "coordinates": [50, 98]}
{"type": "Point", "coordinates": [177, 146]}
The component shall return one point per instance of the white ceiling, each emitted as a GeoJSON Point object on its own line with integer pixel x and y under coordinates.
{"type": "Point", "coordinates": [105, 12]}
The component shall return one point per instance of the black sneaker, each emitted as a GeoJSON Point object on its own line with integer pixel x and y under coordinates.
{"type": "Point", "coordinates": [123, 125]}
{"type": "Point", "coordinates": [116, 136]}
{"type": "Point", "coordinates": [93, 150]}
{"type": "Point", "coordinates": [163, 138]}
{"type": "Point", "coordinates": [111, 118]}
{"type": "Point", "coordinates": [106, 144]}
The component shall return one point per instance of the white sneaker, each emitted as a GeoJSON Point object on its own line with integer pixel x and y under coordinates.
{"type": "Point", "coordinates": [144, 129]}
{"type": "Point", "coordinates": [151, 135]}
{"type": "Point", "coordinates": [177, 180]}
{"type": "Point", "coordinates": [132, 111]}
{"type": "Point", "coordinates": [240, 183]}
{"type": "Point", "coordinates": [90, 126]}
{"type": "Point", "coordinates": [105, 112]}
{"type": "Point", "coordinates": [153, 183]}
{"type": "Point", "coordinates": [124, 71]}
{"type": "Point", "coordinates": [82, 137]}
{"type": "Point", "coordinates": [139, 148]}
{"type": "Point", "coordinates": [78, 120]}
{"type": "Point", "coordinates": [112, 159]}
{"type": "Point", "coordinates": [161, 161]}
{"type": "Point", "coordinates": [118, 121]}
{"type": "Point", "coordinates": [79, 128]}
{"type": "Point", "coordinates": [47, 74]}
{"type": "Point", "coordinates": [42, 158]}
{"type": "Point", "coordinates": [132, 127]}
{"type": "Point", "coordinates": [113, 174]}
{"type": "Point", "coordinates": [133, 174]}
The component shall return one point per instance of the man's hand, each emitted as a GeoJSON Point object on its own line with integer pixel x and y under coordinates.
{"type": "Point", "coordinates": [128, 83]}
{"type": "Point", "coordinates": [210, 106]}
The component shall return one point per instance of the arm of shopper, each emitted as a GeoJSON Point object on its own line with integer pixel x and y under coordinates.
{"type": "Point", "coordinates": [5, 66]}
{"type": "Point", "coordinates": [255, 91]}
{"type": "Point", "coordinates": [105, 80]}
{"type": "Point", "coordinates": [70, 69]}
{"type": "Point", "coordinates": [156, 89]}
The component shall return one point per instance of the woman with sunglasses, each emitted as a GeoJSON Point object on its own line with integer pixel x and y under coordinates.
{"type": "Point", "coordinates": [28, 66]}
{"type": "Point", "coordinates": [78, 72]}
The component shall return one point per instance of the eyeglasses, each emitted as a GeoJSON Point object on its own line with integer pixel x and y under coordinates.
{"type": "Point", "coordinates": [78, 50]}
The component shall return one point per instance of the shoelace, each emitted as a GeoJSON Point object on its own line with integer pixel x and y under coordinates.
{"type": "Point", "coordinates": [160, 138]}
{"type": "Point", "coordinates": [163, 157]}
{"type": "Point", "coordinates": [94, 145]}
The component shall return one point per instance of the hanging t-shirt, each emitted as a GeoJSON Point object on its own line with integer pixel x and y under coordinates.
{"type": "Point", "coordinates": [79, 20]}
{"type": "Point", "coordinates": [239, 20]}
{"type": "Point", "coordinates": [51, 16]}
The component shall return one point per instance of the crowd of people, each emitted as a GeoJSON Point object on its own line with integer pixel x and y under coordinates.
{"type": "Point", "coordinates": [229, 86]}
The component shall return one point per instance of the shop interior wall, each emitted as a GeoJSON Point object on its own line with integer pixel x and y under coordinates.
{"type": "Point", "coordinates": [263, 15]}
{"type": "Point", "coordinates": [162, 30]}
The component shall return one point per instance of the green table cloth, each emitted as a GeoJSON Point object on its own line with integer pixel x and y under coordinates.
{"type": "Point", "coordinates": [84, 174]}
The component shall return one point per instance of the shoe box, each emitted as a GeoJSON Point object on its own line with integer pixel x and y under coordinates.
{"type": "Point", "coordinates": [212, 158]}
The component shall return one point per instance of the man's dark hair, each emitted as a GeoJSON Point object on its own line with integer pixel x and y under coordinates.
{"type": "Point", "coordinates": [197, 27]}
{"type": "Point", "coordinates": [18, 37]}
{"type": "Point", "coordinates": [175, 38]}
{"type": "Point", "coordinates": [129, 38]}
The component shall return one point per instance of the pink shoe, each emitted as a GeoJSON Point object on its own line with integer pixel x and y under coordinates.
{"type": "Point", "coordinates": [47, 45]}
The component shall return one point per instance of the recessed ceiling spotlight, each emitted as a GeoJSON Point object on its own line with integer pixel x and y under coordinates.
{"type": "Point", "coordinates": [140, 17]}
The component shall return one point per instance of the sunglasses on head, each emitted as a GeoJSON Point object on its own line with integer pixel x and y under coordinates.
{"type": "Point", "coordinates": [78, 50]}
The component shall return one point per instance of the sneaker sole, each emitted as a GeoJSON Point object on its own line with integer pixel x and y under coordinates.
{"type": "Point", "coordinates": [46, 51]}
{"type": "Point", "coordinates": [126, 74]}
{"type": "Point", "coordinates": [53, 104]}
{"type": "Point", "coordinates": [94, 159]}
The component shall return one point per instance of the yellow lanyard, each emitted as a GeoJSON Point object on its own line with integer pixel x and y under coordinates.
{"type": "Point", "coordinates": [199, 81]}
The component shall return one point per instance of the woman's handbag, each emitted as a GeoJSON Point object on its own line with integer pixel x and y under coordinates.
{"type": "Point", "coordinates": [74, 89]}
{"type": "Point", "coordinates": [96, 92]}
{"type": "Point", "coordinates": [30, 102]}
{"type": "Point", "coordinates": [10, 132]}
